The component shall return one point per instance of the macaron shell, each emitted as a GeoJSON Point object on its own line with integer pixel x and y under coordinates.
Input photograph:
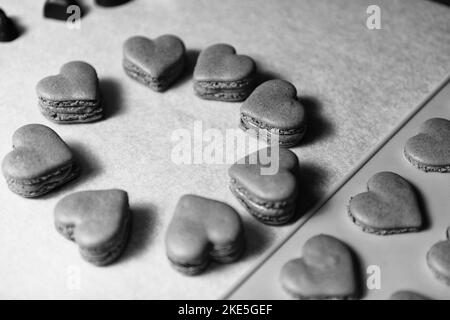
{"type": "Point", "coordinates": [275, 104]}
{"type": "Point", "coordinates": [390, 203]}
{"type": "Point", "coordinates": [197, 223]}
{"type": "Point", "coordinates": [154, 56]}
{"type": "Point", "coordinates": [432, 145]}
{"type": "Point", "coordinates": [98, 216]}
{"type": "Point", "coordinates": [267, 157]}
{"type": "Point", "coordinates": [438, 259]}
{"type": "Point", "coordinates": [38, 151]}
{"type": "Point", "coordinates": [77, 80]}
{"type": "Point", "coordinates": [278, 186]}
{"type": "Point", "coordinates": [326, 270]}
{"type": "Point", "coordinates": [220, 62]}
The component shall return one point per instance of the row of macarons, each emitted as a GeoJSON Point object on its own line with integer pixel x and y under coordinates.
{"type": "Point", "coordinates": [271, 110]}
{"type": "Point", "coordinates": [99, 220]}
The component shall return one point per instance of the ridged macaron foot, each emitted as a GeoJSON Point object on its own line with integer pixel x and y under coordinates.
{"type": "Point", "coordinates": [72, 96]}
{"type": "Point", "coordinates": [429, 150]}
{"type": "Point", "coordinates": [274, 111]}
{"type": "Point", "coordinates": [326, 270]}
{"type": "Point", "coordinates": [221, 74]}
{"type": "Point", "coordinates": [99, 221]}
{"type": "Point", "coordinates": [265, 182]}
{"type": "Point", "coordinates": [202, 230]}
{"type": "Point", "coordinates": [40, 161]}
{"type": "Point", "coordinates": [389, 206]}
{"type": "Point", "coordinates": [155, 63]}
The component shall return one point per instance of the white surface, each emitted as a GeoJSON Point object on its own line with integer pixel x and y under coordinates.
{"type": "Point", "coordinates": [401, 258]}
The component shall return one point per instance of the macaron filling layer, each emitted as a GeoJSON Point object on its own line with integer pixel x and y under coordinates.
{"type": "Point", "coordinates": [222, 253]}
{"type": "Point", "coordinates": [108, 252]}
{"type": "Point", "coordinates": [104, 253]}
{"type": "Point", "coordinates": [42, 185]}
{"type": "Point", "coordinates": [71, 110]}
{"type": "Point", "coordinates": [271, 212]}
{"type": "Point", "coordinates": [228, 90]}
{"type": "Point", "coordinates": [159, 83]}
{"type": "Point", "coordinates": [187, 268]}
{"type": "Point", "coordinates": [287, 136]}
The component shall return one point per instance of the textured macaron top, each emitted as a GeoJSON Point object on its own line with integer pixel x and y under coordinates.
{"type": "Point", "coordinates": [389, 203]}
{"type": "Point", "coordinates": [77, 80]}
{"type": "Point", "coordinates": [97, 217]}
{"type": "Point", "coordinates": [275, 104]}
{"type": "Point", "coordinates": [278, 186]}
{"type": "Point", "coordinates": [431, 145]}
{"type": "Point", "coordinates": [154, 56]}
{"type": "Point", "coordinates": [220, 62]}
{"type": "Point", "coordinates": [438, 258]}
{"type": "Point", "coordinates": [38, 151]}
{"type": "Point", "coordinates": [325, 270]}
{"type": "Point", "coordinates": [196, 224]}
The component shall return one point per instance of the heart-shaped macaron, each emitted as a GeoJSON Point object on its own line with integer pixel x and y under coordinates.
{"type": "Point", "coordinates": [40, 161]}
{"type": "Point", "coordinates": [273, 107]}
{"type": "Point", "coordinates": [156, 63]}
{"type": "Point", "coordinates": [325, 271]}
{"type": "Point", "coordinates": [221, 74]}
{"type": "Point", "coordinates": [203, 229]}
{"type": "Point", "coordinates": [438, 259]}
{"type": "Point", "coordinates": [390, 206]}
{"type": "Point", "coordinates": [430, 149]}
{"type": "Point", "coordinates": [71, 96]}
{"type": "Point", "coordinates": [98, 221]}
{"type": "Point", "coordinates": [265, 182]}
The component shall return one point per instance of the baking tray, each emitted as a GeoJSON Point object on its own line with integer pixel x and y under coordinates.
{"type": "Point", "coordinates": [401, 259]}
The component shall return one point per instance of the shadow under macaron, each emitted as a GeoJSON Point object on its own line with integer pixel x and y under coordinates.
{"type": "Point", "coordinates": [190, 61]}
{"type": "Point", "coordinates": [143, 227]}
{"type": "Point", "coordinates": [309, 177]}
{"type": "Point", "coordinates": [421, 202]}
{"type": "Point", "coordinates": [256, 240]}
{"type": "Point", "coordinates": [111, 95]}
{"type": "Point", "coordinates": [360, 273]}
{"type": "Point", "coordinates": [318, 127]}
{"type": "Point", "coordinates": [20, 28]}
{"type": "Point", "coordinates": [88, 168]}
